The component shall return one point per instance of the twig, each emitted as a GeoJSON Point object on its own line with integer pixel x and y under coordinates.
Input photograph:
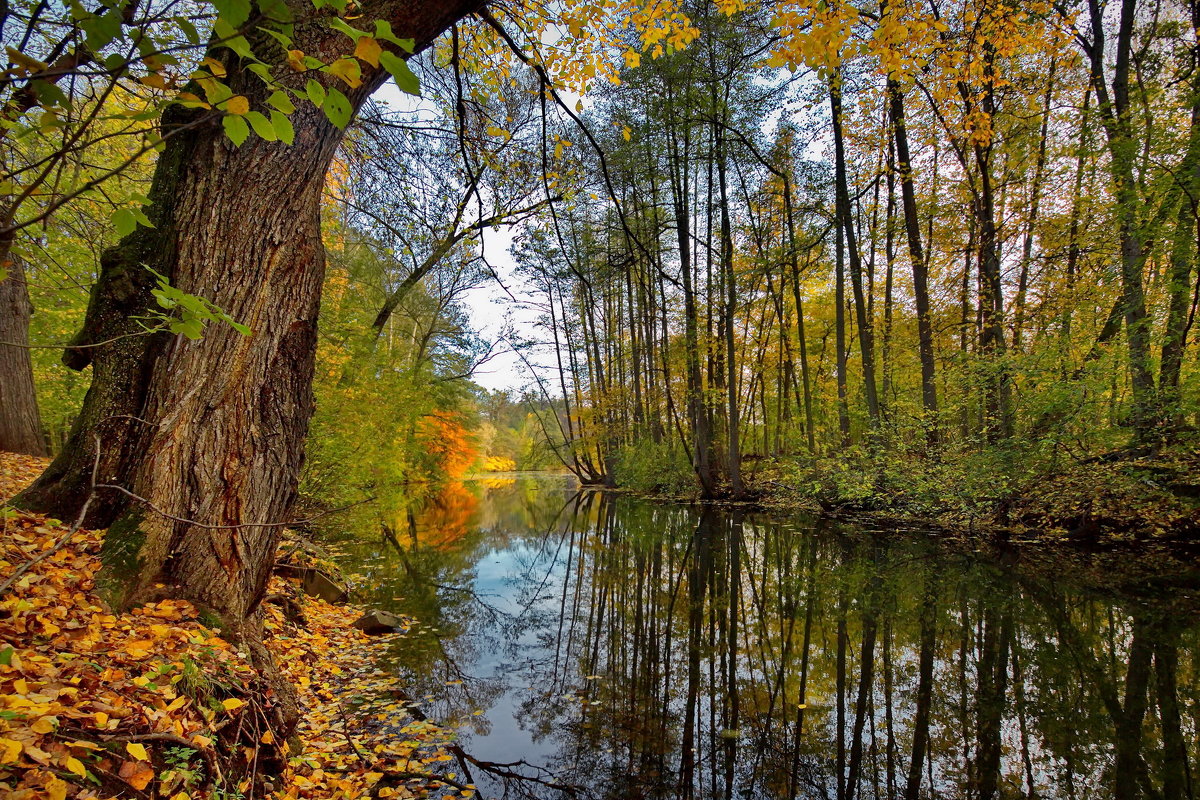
{"type": "Point", "coordinates": [350, 739]}
{"type": "Point", "coordinates": [239, 526]}
{"type": "Point", "coordinates": [212, 770]}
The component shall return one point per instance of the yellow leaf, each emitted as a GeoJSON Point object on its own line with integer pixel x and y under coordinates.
{"type": "Point", "coordinates": [28, 62]}
{"type": "Point", "coordinates": [368, 50]}
{"type": "Point", "coordinates": [233, 704]}
{"type": "Point", "coordinates": [138, 751]}
{"type": "Point", "coordinates": [10, 750]}
{"type": "Point", "coordinates": [56, 789]}
{"type": "Point", "coordinates": [75, 765]}
{"type": "Point", "coordinates": [44, 725]}
{"type": "Point", "coordinates": [268, 738]}
{"type": "Point", "coordinates": [237, 104]}
{"type": "Point", "coordinates": [214, 66]}
{"type": "Point", "coordinates": [626, 133]}
{"type": "Point", "coordinates": [295, 60]}
{"type": "Point", "coordinates": [348, 70]}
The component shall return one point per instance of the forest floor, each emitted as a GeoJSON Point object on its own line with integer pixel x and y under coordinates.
{"type": "Point", "coordinates": [95, 704]}
{"type": "Point", "coordinates": [1133, 497]}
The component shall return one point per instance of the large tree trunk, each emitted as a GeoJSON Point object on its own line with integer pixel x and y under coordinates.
{"type": "Point", "coordinates": [20, 422]}
{"type": "Point", "coordinates": [209, 434]}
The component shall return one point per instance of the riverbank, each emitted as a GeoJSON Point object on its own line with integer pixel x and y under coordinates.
{"type": "Point", "coordinates": [1126, 497]}
{"type": "Point", "coordinates": [155, 703]}
{"type": "Point", "coordinates": [1041, 494]}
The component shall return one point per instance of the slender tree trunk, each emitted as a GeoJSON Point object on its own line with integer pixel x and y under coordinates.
{"type": "Point", "coordinates": [912, 228]}
{"type": "Point", "coordinates": [1183, 256]}
{"type": "Point", "coordinates": [697, 407]}
{"type": "Point", "coordinates": [928, 634]}
{"type": "Point", "coordinates": [839, 324]}
{"type": "Point", "coordinates": [866, 339]}
{"type": "Point", "coordinates": [735, 450]}
{"type": "Point", "coordinates": [1073, 248]}
{"type": "Point", "coordinates": [998, 420]}
{"type": "Point", "coordinates": [1116, 115]}
{"type": "Point", "coordinates": [20, 422]}
{"type": "Point", "coordinates": [1035, 192]}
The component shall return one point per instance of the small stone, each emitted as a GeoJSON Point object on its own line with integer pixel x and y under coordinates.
{"type": "Point", "coordinates": [317, 584]}
{"type": "Point", "coordinates": [375, 623]}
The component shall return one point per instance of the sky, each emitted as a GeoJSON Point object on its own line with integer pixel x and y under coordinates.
{"type": "Point", "coordinates": [488, 306]}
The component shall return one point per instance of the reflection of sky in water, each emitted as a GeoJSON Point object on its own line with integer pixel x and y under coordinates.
{"type": "Point", "coordinates": [588, 630]}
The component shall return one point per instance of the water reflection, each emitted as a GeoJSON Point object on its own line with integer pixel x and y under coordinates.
{"type": "Point", "coordinates": [629, 649]}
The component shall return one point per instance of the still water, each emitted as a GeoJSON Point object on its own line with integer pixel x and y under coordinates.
{"type": "Point", "coordinates": [602, 646]}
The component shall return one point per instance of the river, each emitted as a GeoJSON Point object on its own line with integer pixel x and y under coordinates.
{"type": "Point", "coordinates": [627, 648]}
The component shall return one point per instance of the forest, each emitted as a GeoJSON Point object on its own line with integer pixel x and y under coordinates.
{"type": "Point", "coordinates": [268, 266]}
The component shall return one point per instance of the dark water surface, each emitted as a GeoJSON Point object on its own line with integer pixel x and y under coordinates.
{"type": "Point", "coordinates": [630, 649]}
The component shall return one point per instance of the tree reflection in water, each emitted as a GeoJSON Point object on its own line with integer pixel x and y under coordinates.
{"type": "Point", "coordinates": [640, 649]}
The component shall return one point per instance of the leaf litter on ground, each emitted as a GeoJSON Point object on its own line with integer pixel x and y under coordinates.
{"type": "Point", "coordinates": [98, 704]}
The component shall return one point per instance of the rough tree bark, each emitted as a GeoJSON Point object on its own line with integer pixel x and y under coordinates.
{"type": "Point", "coordinates": [20, 422]}
{"type": "Point", "coordinates": [210, 433]}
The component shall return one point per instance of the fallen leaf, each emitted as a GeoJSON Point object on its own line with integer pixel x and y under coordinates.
{"type": "Point", "coordinates": [137, 774]}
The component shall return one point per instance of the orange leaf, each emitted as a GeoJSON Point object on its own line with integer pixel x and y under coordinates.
{"type": "Point", "coordinates": [139, 648]}
{"type": "Point", "coordinates": [137, 774]}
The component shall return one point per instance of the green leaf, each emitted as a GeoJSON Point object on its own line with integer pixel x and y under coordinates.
{"type": "Point", "coordinates": [216, 92]}
{"type": "Point", "coordinates": [337, 108]}
{"type": "Point", "coordinates": [229, 38]}
{"type": "Point", "coordinates": [49, 94]}
{"type": "Point", "coordinates": [383, 30]}
{"type": "Point", "coordinates": [235, 12]}
{"type": "Point", "coordinates": [124, 221]}
{"type": "Point", "coordinates": [6, 656]}
{"type": "Point", "coordinates": [102, 30]}
{"type": "Point", "coordinates": [316, 92]}
{"type": "Point", "coordinates": [263, 72]}
{"type": "Point", "coordinates": [281, 101]}
{"type": "Point", "coordinates": [404, 77]}
{"type": "Point", "coordinates": [192, 328]}
{"type": "Point", "coordinates": [189, 30]}
{"type": "Point", "coordinates": [261, 125]}
{"type": "Point", "coordinates": [284, 40]}
{"type": "Point", "coordinates": [283, 127]}
{"type": "Point", "coordinates": [340, 25]}
{"type": "Point", "coordinates": [236, 128]}
{"type": "Point", "coordinates": [276, 11]}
